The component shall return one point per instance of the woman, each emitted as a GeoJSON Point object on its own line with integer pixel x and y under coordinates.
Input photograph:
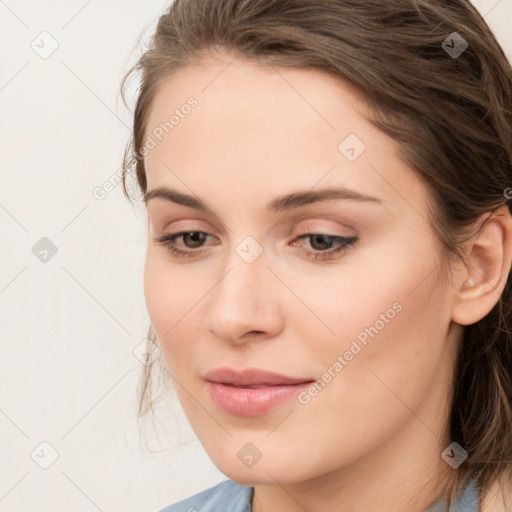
{"type": "Point", "coordinates": [327, 273]}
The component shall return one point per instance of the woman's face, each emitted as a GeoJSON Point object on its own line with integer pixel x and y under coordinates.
{"type": "Point", "coordinates": [362, 338]}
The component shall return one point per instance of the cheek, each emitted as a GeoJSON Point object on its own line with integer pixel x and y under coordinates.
{"type": "Point", "coordinates": [159, 301]}
{"type": "Point", "coordinates": [166, 292]}
{"type": "Point", "coordinates": [377, 295]}
{"type": "Point", "coordinates": [390, 332]}
{"type": "Point", "coordinates": [173, 298]}
{"type": "Point", "coordinates": [164, 299]}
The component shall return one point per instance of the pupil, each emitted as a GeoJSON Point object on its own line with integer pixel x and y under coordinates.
{"type": "Point", "coordinates": [321, 237]}
{"type": "Point", "coordinates": [195, 236]}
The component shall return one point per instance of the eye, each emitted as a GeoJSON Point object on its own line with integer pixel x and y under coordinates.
{"type": "Point", "coordinates": [195, 237]}
{"type": "Point", "coordinates": [335, 245]}
{"type": "Point", "coordinates": [324, 246]}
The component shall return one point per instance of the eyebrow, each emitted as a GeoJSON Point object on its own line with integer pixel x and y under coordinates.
{"type": "Point", "coordinates": [280, 204]}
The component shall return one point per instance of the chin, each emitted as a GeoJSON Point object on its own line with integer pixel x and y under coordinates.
{"type": "Point", "coordinates": [267, 470]}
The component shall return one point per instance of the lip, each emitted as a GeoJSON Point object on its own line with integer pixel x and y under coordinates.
{"type": "Point", "coordinates": [251, 392]}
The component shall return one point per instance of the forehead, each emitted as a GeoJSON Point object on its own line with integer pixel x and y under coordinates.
{"type": "Point", "coordinates": [271, 98]}
{"type": "Point", "coordinates": [262, 127]}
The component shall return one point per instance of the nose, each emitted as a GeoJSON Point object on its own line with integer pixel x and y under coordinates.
{"type": "Point", "coordinates": [244, 305]}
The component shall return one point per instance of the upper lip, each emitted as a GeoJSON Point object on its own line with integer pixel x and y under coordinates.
{"type": "Point", "coordinates": [251, 377]}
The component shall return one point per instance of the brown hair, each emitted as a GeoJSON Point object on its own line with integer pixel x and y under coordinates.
{"type": "Point", "coordinates": [451, 116]}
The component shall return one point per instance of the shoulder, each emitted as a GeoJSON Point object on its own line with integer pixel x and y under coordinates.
{"type": "Point", "coordinates": [499, 497]}
{"type": "Point", "coordinates": [228, 496]}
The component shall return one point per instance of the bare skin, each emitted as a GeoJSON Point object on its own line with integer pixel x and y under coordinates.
{"type": "Point", "coordinates": [372, 437]}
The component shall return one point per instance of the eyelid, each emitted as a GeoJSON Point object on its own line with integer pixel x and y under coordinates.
{"type": "Point", "coordinates": [320, 224]}
{"type": "Point", "coordinates": [322, 229]}
{"type": "Point", "coordinates": [183, 225]}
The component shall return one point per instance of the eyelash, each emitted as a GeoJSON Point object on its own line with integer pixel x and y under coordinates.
{"type": "Point", "coordinates": [345, 243]}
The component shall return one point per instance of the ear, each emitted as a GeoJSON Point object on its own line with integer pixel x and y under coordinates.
{"type": "Point", "coordinates": [486, 269]}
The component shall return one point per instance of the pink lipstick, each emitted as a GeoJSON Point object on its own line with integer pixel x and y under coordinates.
{"type": "Point", "coordinates": [251, 392]}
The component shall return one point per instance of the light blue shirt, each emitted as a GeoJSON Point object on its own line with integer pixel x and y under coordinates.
{"type": "Point", "coordinates": [228, 496]}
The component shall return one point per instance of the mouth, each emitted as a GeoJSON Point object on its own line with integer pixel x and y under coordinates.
{"type": "Point", "coordinates": [252, 377]}
{"type": "Point", "coordinates": [251, 392]}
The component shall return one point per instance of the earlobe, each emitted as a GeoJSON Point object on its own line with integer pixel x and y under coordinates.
{"type": "Point", "coordinates": [487, 268]}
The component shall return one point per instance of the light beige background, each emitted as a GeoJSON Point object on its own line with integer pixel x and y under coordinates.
{"type": "Point", "coordinates": [70, 325]}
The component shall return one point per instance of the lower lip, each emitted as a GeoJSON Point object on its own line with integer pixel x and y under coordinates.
{"type": "Point", "coordinates": [252, 401]}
